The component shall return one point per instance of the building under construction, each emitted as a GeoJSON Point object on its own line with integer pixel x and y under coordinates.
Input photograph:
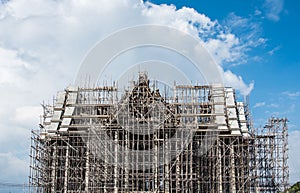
{"type": "Point", "coordinates": [151, 138]}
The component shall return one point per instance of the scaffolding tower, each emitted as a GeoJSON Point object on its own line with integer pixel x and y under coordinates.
{"type": "Point", "coordinates": [153, 139]}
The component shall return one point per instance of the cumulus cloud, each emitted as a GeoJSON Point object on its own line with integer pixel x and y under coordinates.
{"type": "Point", "coordinates": [28, 115]}
{"type": "Point", "coordinates": [11, 67]}
{"type": "Point", "coordinates": [43, 42]}
{"type": "Point", "coordinates": [237, 82]}
{"type": "Point", "coordinates": [225, 49]}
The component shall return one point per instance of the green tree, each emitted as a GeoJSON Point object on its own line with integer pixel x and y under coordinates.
{"type": "Point", "coordinates": [294, 189]}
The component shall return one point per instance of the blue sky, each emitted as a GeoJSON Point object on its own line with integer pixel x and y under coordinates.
{"type": "Point", "coordinates": [274, 66]}
{"type": "Point", "coordinates": [43, 42]}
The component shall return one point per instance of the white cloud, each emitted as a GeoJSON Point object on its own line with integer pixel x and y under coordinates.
{"type": "Point", "coordinates": [237, 82]}
{"type": "Point", "coordinates": [224, 46]}
{"type": "Point", "coordinates": [273, 105]}
{"type": "Point", "coordinates": [291, 94]}
{"type": "Point", "coordinates": [271, 52]}
{"type": "Point", "coordinates": [28, 115]}
{"type": "Point", "coordinates": [289, 108]}
{"type": "Point", "coordinates": [12, 167]}
{"type": "Point", "coordinates": [14, 139]}
{"type": "Point", "coordinates": [250, 32]}
{"type": "Point", "coordinates": [43, 42]}
{"type": "Point", "coordinates": [21, 10]}
{"type": "Point", "coordinates": [224, 49]}
{"type": "Point", "coordinates": [12, 67]}
{"type": "Point", "coordinates": [250, 36]}
{"type": "Point", "coordinates": [257, 12]}
{"type": "Point", "coordinates": [273, 9]}
{"type": "Point", "coordinates": [260, 104]}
